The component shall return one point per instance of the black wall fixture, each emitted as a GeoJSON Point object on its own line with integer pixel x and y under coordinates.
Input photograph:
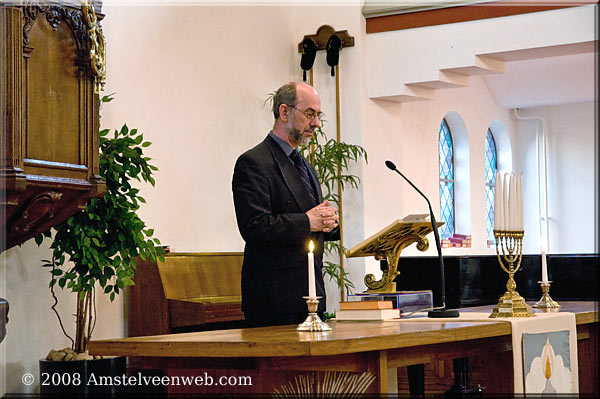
{"type": "Point", "coordinates": [327, 39]}
{"type": "Point", "coordinates": [309, 52]}
{"type": "Point", "coordinates": [333, 47]}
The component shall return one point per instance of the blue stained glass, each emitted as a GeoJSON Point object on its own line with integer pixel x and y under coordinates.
{"type": "Point", "coordinates": [446, 152]}
{"type": "Point", "coordinates": [491, 165]}
{"type": "Point", "coordinates": [446, 155]}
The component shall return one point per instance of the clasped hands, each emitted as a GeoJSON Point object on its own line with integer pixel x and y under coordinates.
{"type": "Point", "coordinates": [323, 217]}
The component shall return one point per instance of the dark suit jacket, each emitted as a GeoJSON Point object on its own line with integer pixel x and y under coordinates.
{"type": "Point", "coordinates": [270, 204]}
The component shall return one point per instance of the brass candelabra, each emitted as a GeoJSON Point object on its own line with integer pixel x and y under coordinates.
{"type": "Point", "coordinates": [511, 304]}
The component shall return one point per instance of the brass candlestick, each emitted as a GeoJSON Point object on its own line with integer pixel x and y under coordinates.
{"type": "Point", "coordinates": [511, 304]}
{"type": "Point", "coordinates": [546, 302]}
{"type": "Point", "coordinates": [313, 322]}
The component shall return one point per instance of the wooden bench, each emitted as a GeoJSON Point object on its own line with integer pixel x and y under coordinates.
{"type": "Point", "coordinates": [186, 292]}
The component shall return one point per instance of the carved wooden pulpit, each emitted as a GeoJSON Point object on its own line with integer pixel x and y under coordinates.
{"type": "Point", "coordinates": [49, 101]}
{"type": "Point", "coordinates": [388, 244]}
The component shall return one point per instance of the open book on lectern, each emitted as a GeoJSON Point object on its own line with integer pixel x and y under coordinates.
{"type": "Point", "coordinates": [413, 225]}
{"type": "Point", "coordinates": [388, 243]}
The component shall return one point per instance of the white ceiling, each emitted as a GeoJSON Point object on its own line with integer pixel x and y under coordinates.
{"type": "Point", "coordinates": [553, 80]}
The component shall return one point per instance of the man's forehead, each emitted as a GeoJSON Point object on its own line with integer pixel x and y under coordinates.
{"type": "Point", "coordinates": [310, 99]}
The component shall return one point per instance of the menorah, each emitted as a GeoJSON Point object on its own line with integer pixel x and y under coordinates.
{"type": "Point", "coordinates": [511, 304]}
{"type": "Point", "coordinates": [509, 232]}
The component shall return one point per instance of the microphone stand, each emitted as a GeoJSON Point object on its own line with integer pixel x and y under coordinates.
{"type": "Point", "coordinates": [440, 311]}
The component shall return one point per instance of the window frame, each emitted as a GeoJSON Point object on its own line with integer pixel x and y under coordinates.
{"type": "Point", "coordinates": [448, 230]}
{"type": "Point", "coordinates": [490, 185]}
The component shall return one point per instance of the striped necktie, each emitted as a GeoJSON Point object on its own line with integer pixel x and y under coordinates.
{"type": "Point", "coordinates": [303, 172]}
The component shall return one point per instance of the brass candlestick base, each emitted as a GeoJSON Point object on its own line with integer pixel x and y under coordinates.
{"type": "Point", "coordinates": [511, 304]}
{"type": "Point", "coordinates": [546, 302]}
{"type": "Point", "coordinates": [313, 322]}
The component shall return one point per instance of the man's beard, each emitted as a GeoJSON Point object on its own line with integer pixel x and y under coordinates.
{"type": "Point", "coordinates": [295, 134]}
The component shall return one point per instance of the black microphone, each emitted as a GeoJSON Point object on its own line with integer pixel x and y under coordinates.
{"type": "Point", "coordinates": [439, 311]}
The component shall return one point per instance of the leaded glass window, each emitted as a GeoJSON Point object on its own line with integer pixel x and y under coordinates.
{"type": "Point", "coordinates": [446, 153]}
{"type": "Point", "coordinates": [491, 165]}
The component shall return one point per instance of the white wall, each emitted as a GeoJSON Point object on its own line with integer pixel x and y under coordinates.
{"type": "Point", "coordinates": [570, 150]}
{"type": "Point", "coordinates": [194, 80]}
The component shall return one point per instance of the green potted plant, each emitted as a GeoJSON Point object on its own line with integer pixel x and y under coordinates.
{"type": "Point", "coordinates": [97, 247]}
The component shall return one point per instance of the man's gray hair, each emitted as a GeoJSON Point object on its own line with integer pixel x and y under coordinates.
{"type": "Point", "coordinates": [286, 94]}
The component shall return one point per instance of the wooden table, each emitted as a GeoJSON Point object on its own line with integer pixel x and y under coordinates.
{"type": "Point", "coordinates": [373, 346]}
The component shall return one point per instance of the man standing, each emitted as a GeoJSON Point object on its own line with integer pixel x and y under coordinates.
{"type": "Point", "coordinates": [279, 210]}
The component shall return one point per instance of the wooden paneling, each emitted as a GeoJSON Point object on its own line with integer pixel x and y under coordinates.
{"type": "Point", "coordinates": [588, 355]}
{"type": "Point", "coordinates": [53, 95]}
{"type": "Point", "coordinates": [148, 309]}
{"type": "Point", "coordinates": [49, 129]}
{"type": "Point", "coordinates": [210, 277]}
{"type": "Point", "coordinates": [11, 98]}
{"type": "Point", "coordinates": [184, 313]}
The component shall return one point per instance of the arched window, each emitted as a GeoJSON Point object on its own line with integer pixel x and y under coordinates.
{"type": "Point", "coordinates": [491, 165]}
{"type": "Point", "coordinates": [446, 154]}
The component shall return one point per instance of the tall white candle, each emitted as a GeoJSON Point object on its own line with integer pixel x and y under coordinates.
{"type": "Point", "coordinates": [517, 204]}
{"type": "Point", "coordinates": [520, 220]}
{"type": "Point", "coordinates": [505, 210]}
{"type": "Point", "coordinates": [544, 266]}
{"type": "Point", "coordinates": [517, 209]}
{"type": "Point", "coordinates": [512, 203]}
{"type": "Point", "coordinates": [498, 216]}
{"type": "Point", "coordinates": [312, 291]}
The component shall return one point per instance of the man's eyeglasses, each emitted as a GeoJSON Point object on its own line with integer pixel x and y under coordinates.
{"type": "Point", "coordinates": [309, 113]}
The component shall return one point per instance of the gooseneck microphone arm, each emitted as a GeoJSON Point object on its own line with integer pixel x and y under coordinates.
{"type": "Point", "coordinates": [441, 310]}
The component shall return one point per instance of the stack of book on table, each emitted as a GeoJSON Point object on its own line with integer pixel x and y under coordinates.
{"type": "Point", "coordinates": [406, 301]}
{"type": "Point", "coordinates": [367, 310]}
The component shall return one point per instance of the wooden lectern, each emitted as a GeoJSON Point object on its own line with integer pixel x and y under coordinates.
{"type": "Point", "coordinates": [389, 243]}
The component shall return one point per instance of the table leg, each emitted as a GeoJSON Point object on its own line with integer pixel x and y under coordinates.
{"type": "Point", "coordinates": [386, 379]}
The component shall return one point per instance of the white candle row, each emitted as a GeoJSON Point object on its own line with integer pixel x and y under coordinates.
{"type": "Point", "coordinates": [508, 202]}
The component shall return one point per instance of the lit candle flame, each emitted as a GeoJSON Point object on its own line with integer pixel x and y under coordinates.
{"type": "Point", "coordinates": [311, 246]}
